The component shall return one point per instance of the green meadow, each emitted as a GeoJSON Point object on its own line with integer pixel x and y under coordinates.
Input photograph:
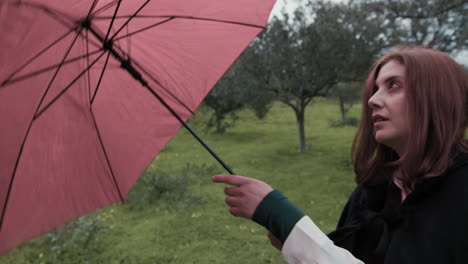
{"type": "Point", "coordinates": [188, 221]}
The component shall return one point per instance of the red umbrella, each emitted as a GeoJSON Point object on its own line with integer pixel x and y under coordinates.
{"type": "Point", "coordinates": [92, 90]}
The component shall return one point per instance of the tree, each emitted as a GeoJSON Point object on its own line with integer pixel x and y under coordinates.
{"type": "Point", "coordinates": [225, 99]}
{"type": "Point", "coordinates": [239, 88]}
{"type": "Point", "coordinates": [307, 58]}
{"type": "Point", "coordinates": [382, 24]}
{"type": "Point", "coordinates": [441, 24]}
{"type": "Point", "coordinates": [256, 78]}
{"type": "Point", "coordinates": [347, 94]}
{"type": "Point", "coordinates": [287, 72]}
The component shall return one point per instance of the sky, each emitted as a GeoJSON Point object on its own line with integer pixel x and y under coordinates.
{"type": "Point", "coordinates": [290, 5]}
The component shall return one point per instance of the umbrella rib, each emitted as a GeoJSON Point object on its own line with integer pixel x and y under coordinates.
{"type": "Point", "coordinates": [126, 64]}
{"type": "Point", "coordinates": [32, 74]}
{"type": "Point", "coordinates": [185, 17]}
{"type": "Point", "coordinates": [149, 75]}
{"type": "Point", "coordinates": [105, 155]}
{"type": "Point", "coordinates": [129, 45]}
{"type": "Point", "coordinates": [106, 39]}
{"type": "Point", "coordinates": [67, 87]}
{"type": "Point", "coordinates": [220, 20]}
{"type": "Point", "coordinates": [100, 78]}
{"type": "Point", "coordinates": [112, 21]}
{"type": "Point", "coordinates": [145, 84]}
{"type": "Point", "coordinates": [143, 29]}
{"type": "Point", "coordinates": [22, 148]}
{"type": "Point", "coordinates": [36, 56]}
{"type": "Point", "coordinates": [171, 18]}
{"type": "Point", "coordinates": [162, 86]}
{"type": "Point", "coordinates": [130, 18]}
{"type": "Point", "coordinates": [87, 62]}
{"type": "Point", "coordinates": [58, 70]}
{"type": "Point", "coordinates": [91, 109]}
{"type": "Point", "coordinates": [92, 7]}
{"type": "Point", "coordinates": [7, 198]}
{"type": "Point", "coordinates": [53, 13]}
{"type": "Point", "coordinates": [109, 5]}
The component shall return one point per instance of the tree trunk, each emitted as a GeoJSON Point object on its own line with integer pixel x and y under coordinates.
{"type": "Point", "coordinates": [342, 109]}
{"type": "Point", "coordinates": [300, 125]}
{"type": "Point", "coordinates": [218, 120]}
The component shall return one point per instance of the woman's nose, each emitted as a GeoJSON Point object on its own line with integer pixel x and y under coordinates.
{"type": "Point", "coordinates": [375, 101]}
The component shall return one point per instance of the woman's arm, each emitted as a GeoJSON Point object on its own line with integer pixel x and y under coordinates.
{"type": "Point", "coordinates": [303, 241]}
{"type": "Point", "coordinates": [308, 244]}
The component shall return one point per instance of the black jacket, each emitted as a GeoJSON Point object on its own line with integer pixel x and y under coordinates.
{"type": "Point", "coordinates": [430, 226]}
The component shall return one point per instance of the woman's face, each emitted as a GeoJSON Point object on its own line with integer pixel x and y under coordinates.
{"type": "Point", "coordinates": [389, 108]}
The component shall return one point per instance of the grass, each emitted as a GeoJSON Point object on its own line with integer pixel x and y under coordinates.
{"type": "Point", "coordinates": [318, 181]}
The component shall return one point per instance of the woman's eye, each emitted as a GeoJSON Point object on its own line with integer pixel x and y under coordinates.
{"type": "Point", "coordinates": [395, 85]}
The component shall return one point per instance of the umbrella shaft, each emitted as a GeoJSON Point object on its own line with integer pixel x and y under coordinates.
{"type": "Point", "coordinates": [125, 64]}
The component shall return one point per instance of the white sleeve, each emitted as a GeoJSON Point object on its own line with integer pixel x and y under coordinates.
{"type": "Point", "coordinates": [308, 244]}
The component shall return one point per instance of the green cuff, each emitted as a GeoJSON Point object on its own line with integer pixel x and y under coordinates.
{"type": "Point", "coordinates": [277, 214]}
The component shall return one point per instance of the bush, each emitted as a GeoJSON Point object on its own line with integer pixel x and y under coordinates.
{"type": "Point", "coordinates": [169, 192]}
{"type": "Point", "coordinates": [351, 121]}
{"type": "Point", "coordinates": [74, 242]}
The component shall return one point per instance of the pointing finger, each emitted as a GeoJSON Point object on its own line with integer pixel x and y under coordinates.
{"type": "Point", "coordinates": [230, 179]}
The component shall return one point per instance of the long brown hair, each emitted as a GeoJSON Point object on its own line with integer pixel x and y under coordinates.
{"type": "Point", "coordinates": [437, 100]}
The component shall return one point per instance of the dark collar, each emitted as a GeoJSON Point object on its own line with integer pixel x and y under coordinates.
{"type": "Point", "coordinates": [378, 194]}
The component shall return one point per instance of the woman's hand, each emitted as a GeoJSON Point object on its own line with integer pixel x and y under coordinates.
{"type": "Point", "coordinates": [246, 194]}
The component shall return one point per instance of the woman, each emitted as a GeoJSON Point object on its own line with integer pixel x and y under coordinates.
{"type": "Point", "coordinates": [411, 165]}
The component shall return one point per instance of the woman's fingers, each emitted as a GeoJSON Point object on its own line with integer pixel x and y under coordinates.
{"type": "Point", "coordinates": [233, 201]}
{"type": "Point", "coordinates": [236, 206]}
{"type": "Point", "coordinates": [236, 211]}
{"type": "Point", "coordinates": [245, 195]}
{"type": "Point", "coordinates": [231, 179]}
{"type": "Point", "coordinates": [233, 191]}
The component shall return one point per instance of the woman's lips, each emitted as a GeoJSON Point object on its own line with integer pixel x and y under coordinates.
{"type": "Point", "coordinates": [378, 118]}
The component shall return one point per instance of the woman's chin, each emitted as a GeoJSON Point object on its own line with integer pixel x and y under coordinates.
{"type": "Point", "coordinates": [383, 139]}
{"type": "Point", "coordinates": [394, 143]}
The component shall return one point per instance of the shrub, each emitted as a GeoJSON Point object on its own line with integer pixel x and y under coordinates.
{"type": "Point", "coordinates": [350, 121]}
{"type": "Point", "coordinates": [169, 192]}
{"type": "Point", "coordinates": [74, 242]}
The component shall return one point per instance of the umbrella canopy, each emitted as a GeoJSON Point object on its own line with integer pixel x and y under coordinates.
{"type": "Point", "coordinates": [91, 91]}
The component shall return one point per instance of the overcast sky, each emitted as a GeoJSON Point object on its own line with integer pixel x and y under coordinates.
{"type": "Point", "coordinates": [290, 5]}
